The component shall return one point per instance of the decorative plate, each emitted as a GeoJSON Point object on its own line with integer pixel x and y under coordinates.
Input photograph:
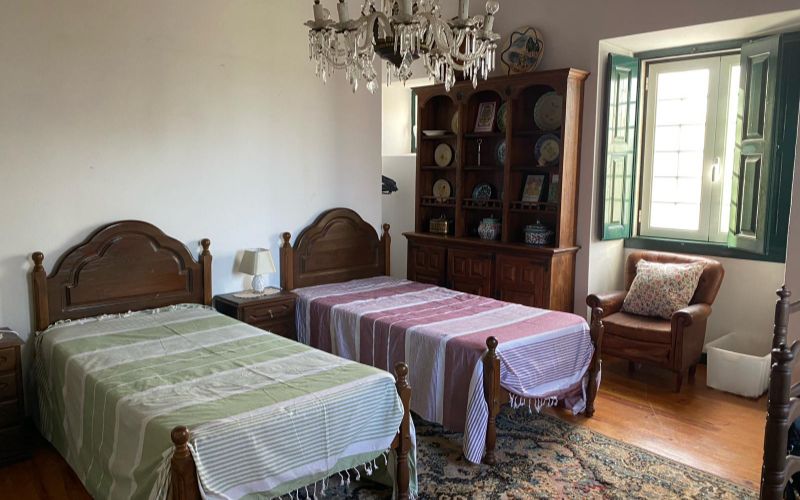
{"type": "Point", "coordinates": [549, 111]}
{"type": "Point", "coordinates": [524, 51]}
{"type": "Point", "coordinates": [434, 133]}
{"type": "Point", "coordinates": [454, 123]}
{"type": "Point", "coordinates": [443, 155]}
{"type": "Point", "coordinates": [548, 150]}
{"type": "Point", "coordinates": [483, 191]}
{"type": "Point", "coordinates": [502, 115]}
{"type": "Point", "coordinates": [442, 190]}
{"type": "Point", "coordinates": [501, 153]}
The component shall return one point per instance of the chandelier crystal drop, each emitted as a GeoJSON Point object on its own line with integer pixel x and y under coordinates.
{"type": "Point", "coordinates": [401, 32]}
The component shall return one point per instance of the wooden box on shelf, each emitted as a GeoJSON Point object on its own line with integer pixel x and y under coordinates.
{"type": "Point", "coordinates": [273, 313]}
{"type": "Point", "coordinates": [528, 162]}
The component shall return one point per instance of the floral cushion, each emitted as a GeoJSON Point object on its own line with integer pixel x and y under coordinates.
{"type": "Point", "coordinates": [661, 289]}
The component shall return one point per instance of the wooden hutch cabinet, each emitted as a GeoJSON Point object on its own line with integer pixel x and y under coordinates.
{"type": "Point", "coordinates": [504, 158]}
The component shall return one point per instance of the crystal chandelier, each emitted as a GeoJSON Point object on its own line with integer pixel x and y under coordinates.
{"type": "Point", "coordinates": [401, 32]}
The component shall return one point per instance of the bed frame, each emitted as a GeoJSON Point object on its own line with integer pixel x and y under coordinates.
{"type": "Point", "coordinates": [132, 265]}
{"type": "Point", "coordinates": [340, 246]}
{"type": "Point", "coordinates": [784, 404]}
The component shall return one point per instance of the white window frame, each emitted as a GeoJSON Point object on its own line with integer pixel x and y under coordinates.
{"type": "Point", "coordinates": [719, 67]}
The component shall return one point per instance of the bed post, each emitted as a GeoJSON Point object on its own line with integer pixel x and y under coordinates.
{"type": "Point", "coordinates": [402, 444]}
{"type": "Point", "coordinates": [491, 391]}
{"type": "Point", "coordinates": [781, 317]}
{"type": "Point", "coordinates": [205, 260]}
{"type": "Point", "coordinates": [287, 262]}
{"type": "Point", "coordinates": [597, 330]}
{"type": "Point", "coordinates": [183, 472]}
{"type": "Point", "coordinates": [386, 242]}
{"type": "Point", "coordinates": [779, 409]}
{"type": "Point", "coordinates": [40, 297]}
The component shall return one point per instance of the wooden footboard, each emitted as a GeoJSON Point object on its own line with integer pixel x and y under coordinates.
{"type": "Point", "coordinates": [184, 484]}
{"type": "Point", "coordinates": [496, 395]}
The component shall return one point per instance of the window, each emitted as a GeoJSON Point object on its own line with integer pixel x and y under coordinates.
{"type": "Point", "coordinates": [701, 159]}
{"type": "Point", "coordinates": [688, 149]}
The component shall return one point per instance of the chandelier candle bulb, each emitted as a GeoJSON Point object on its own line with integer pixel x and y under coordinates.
{"type": "Point", "coordinates": [319, 12]}
{"type": "Point", "coordinates": [463, 9]}
{"type": "Point", "coordinates": [344, 16]}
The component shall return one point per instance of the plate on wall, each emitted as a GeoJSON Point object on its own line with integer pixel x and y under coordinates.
{"type": "Point", "coordinates": [434, 133]}
{"type": "Point", "coordinates": [548, 113]}
{"type": "Point", "coordinates": [524, 51]}
{"type": "Point", "coordinates": [502, 117]}
{"type": "Point", "coordinates": [483, 191]}
{"type": "Point", "coordinates": [547, 151]}
{"type": "Point", "coordinates": [442, 190]}
{"type": "Point", "coordinates": [454, 123]}
{"type": "Point", "coordinates": [500, 153]}
{"type": "Point", "coordinates": [443, 155]}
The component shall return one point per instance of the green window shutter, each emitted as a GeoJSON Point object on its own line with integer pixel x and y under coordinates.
{"type": "Point", "coordinates": [622, 100]}
{"type": "Point", "coordinates": [752, 171]}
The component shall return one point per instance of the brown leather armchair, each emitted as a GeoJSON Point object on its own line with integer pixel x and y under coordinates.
{"type": "Point", "coordinates": [675, 344]}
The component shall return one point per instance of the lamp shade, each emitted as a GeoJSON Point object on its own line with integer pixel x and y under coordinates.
{"type": "Point", "coordinates": [257, 261]}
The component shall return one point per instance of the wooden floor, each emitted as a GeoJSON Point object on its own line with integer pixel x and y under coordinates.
{"type": "Point", "coordinates": [710, 430]}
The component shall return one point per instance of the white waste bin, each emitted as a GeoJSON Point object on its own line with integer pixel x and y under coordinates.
{"type": "Point", "coordinates": [740, 363]}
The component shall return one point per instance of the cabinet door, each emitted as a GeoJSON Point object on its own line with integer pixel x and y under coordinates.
{"type": "Point", "coordinates": [522, 280]}
{"type": "Point", "coordinates": [470, 272]}
{"type": "Point", "coordinates": [426, 264]}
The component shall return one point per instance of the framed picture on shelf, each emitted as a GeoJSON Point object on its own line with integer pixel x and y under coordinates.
{"type": "Point", "coordinates": [534, 186]}
{"type": "Point", "coordinates": [485, 120]}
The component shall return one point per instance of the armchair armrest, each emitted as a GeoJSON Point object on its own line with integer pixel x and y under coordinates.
{"type": "Point", "coordinates": [687, 316]}
{"type": "Point", "coordinates": [610, 302]}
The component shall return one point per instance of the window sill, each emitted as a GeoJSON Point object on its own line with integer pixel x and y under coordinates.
{"type": "Point", "coordinates": [697, 248]}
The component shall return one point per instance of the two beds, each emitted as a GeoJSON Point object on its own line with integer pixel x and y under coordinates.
{"type": "Point", "coordinates": [470, 354]}
{"type": "Point", "coordinates": [247, 412]}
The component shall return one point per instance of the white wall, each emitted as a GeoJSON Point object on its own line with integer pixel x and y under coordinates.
{"type": "Point", "coordinates": [400, 165]}
{"type": "Point", "coordinates": [793, 253]}
{"type": "Point", "coordinates": [200, 116]}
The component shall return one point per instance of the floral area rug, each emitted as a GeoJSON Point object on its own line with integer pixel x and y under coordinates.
{"type": "Point", "coordinates": [540, 456]}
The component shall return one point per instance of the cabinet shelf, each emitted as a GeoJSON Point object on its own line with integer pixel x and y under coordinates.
{"type": "Point", "coordinates": [438, 137]}
{"type": "Point", "coordinates": [483, 135]}
{"type": "Point", "coordinates": [433, 202]}
{"type": "Point", "coordinates": [483, 168]}
{"type": "Point", "coordinates": [473, 204]}
{"type": "Point", "coordinates": [526, 207]}
{"type": "Point", "coordinates": [437, 167]}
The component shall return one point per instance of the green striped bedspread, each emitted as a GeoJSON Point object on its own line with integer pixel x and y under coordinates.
{"type": "Point", "coordinates": [267, 415]}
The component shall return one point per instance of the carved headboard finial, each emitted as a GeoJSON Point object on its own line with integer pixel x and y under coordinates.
{"type": "Point", "coordinates": [38, 258]}
{"type": "Point", "coordinates": [205, 243]}
{"type": "Point", "coordinates": [287, 238]}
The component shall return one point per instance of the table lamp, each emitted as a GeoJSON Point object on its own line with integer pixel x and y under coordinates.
{"type": "Point", "coordinates": [257, 262]}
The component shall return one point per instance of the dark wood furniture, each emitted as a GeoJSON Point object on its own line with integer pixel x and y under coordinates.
{"type": "Point", "coordinates": [784, 404]}
{"type": "Point", "coordinates": [132, 265]}
{"type": "Point", "coordinates": [13, 433]}
{"type": "Point", "coordinates": [506, 269]}
{"type": "Point", "coordinates": [340, 246]}
{"type": "Point", "coordinates": [675, 344]}
{"type": "Point", "coordinates": [273, 313]}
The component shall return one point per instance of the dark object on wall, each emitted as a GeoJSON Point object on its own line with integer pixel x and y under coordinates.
{"type": "Point", "coordinates": [389, 185]}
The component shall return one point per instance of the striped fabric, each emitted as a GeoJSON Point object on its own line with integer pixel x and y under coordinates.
{"type": "Point", "coordinates": [267, 415]}
{"type": "Point", "coordinates": [544, 355]}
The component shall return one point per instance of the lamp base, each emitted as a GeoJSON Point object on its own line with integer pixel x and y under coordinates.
{"type": "Point", "coordinates": [259, 283]}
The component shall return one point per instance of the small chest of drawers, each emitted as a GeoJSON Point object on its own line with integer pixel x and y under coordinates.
{"type": "Point", "coordinates": [13, 434]}
{"type": "Point", "coordinates": [273, 313]}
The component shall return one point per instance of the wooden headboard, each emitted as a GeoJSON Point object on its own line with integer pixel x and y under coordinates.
{"type": "Point", "coordinates": [338, 246]}
{"type": "Point", "coordinates": [123, 266]}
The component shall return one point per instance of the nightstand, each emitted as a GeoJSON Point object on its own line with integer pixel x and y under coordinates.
{"type": "Point", "coordinates": [274, 313]}
{"type": "Point", "coordinates": [13, 432]}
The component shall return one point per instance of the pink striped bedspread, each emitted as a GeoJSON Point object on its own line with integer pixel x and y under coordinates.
{"type": "Point", "coordinates": [544, 355]}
